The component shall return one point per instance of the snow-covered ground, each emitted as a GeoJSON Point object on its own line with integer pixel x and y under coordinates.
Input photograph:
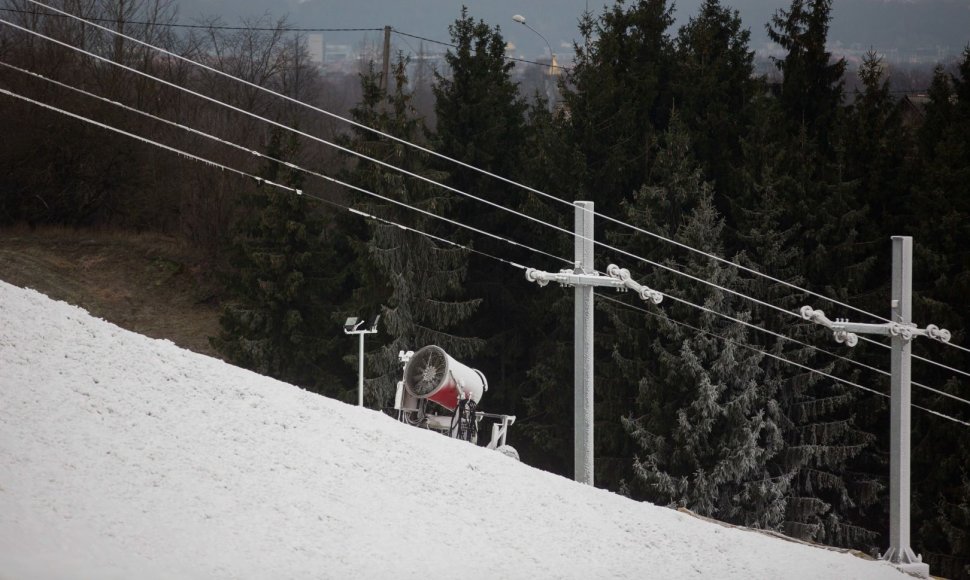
{"type": "Point", "coordinates": [127, 457]}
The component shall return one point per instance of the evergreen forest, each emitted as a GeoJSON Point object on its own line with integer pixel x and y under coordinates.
{"type": "Point", "coordinates": [667, 129]}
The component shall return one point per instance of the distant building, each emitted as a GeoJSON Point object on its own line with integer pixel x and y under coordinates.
{"type": "Point", "coordinates": [315, 48]}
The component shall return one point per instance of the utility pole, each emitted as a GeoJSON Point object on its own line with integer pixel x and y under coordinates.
{"type": "Point", "coordinates": [902, 330]}
{"type": "Point", "coordinates": [387, 58]}
{"type": "Point", "coordinates": [583, 278]}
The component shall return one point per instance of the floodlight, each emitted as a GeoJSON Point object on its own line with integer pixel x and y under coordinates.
{"type": "Point", "coordinates": [351, 324]}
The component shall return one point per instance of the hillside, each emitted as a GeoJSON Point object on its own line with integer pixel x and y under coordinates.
{"type": "Point", "coordinates": [127, 457]}
{"type": "Point", "coordinates": [147, 283]}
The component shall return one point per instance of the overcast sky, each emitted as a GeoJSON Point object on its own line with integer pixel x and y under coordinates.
{"type": "Point", "coordinates": [882, 24]}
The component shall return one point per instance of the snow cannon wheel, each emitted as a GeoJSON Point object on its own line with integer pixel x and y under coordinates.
{"type": "Point", "coordinates": [508, 451]}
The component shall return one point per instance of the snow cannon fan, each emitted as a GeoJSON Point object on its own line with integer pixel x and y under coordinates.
{"type": "Point", "coordinates": [433, 375]}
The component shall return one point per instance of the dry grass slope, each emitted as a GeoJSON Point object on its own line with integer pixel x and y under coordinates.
{"type": "Point", "coordinates": [148, 283]}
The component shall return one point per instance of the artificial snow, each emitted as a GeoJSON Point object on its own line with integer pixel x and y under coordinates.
{"type": "Point", "coordinates": [127, 457]}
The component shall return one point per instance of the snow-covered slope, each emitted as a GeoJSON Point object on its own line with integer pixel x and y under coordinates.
{"type": "Point", "coordinates": [127, 457]}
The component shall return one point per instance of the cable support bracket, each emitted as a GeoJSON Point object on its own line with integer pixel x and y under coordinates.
{"type": "Point", "coordinates": [847, 332]}
{"type": "Point", "coordinates": [616, 277]}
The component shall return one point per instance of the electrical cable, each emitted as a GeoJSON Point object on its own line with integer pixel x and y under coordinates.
{"type": "Point", "coordinates": [476, 230]}
{"type": "Point", "coordinates": [377, 161]}
{"type": "Point", "coordinates": [466, 165]}
{"type": "Point", "coordinates": [460, 163]}
{"type": "Point", "coordinates": [506, 57]}
{"type": "Point", "coordinates": [956, 346]}
{"type": "Point", "coordinates": [917, 357]}
{"type": "Point", "coordinates": [270, 121]}
{"type": "Point", "coordinates": [438, 155]}
{"type": "Point", "coordinates": [293, 130]}
{"type": "Point", "coordinates": [300, 192]}
{"type": "Point", "coordinates": [390, 166]}
{"type": "Point", "coordinates": [779, 358]}
{"type": "Point", "coordinates": [286, 163]}
{"type": "Point", "coordinates": [256, 178]}
{"type": "Point", "coordinates": [813, 347]}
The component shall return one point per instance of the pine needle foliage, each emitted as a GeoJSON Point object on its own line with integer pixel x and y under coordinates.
{"type": "Point", "coordinates": [417, 283]}
{"type": "Point", "coordinates": [283, 285]}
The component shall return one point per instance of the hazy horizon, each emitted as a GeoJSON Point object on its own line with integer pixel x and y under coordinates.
{"type": "Point", "coordinates": [925, 29]}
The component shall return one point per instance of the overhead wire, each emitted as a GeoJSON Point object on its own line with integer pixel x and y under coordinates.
{"type": "Point", "coordinates": [430, 214]}
{"type": "Point", "coordinates": [418, 147]}
{"type": "Point", "coordinates": [956, 346]}
{"type": "Point", "coordinates": [290, 129]}
{"type": "Point", "coordinates": [267, 29]}
{"type": "Point", "coordinates": [461, 163]}
{"type": "Point", "coordinates": [779, 358]}
{"type": "Point", "coordinates": [804, 344]}
{"type": "Point", "coordinates": [506, 57]}
{"type": "Point", "coordinates": [471, 167]}
{"type": "Point", "coordinates": [374, 160]}
{"type": "Point", "coordinates": [298, 191]}
{"type": "Point", "coordinates": [256, 178]}
{"type": "Point", "coordinates": [917, 357]}
{"type": "Point", "coordinates": [286, 163]}
{"type": "Point", "coordinates": [390, 166]}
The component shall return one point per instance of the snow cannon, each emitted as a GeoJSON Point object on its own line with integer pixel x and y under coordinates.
{"type": "Point", "coordinates": [433, 375]}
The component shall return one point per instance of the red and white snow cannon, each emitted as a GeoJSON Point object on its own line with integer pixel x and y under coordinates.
{"type": "Point", "coordinates": [431, 375]}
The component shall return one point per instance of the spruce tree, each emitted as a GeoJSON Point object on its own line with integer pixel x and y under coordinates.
{"type": "Point", "coordinates": [876, 148]}
{"type": "Point", "coordinates": [480, 116]}
{"type": "Point", "coordinates": [714, 87]}
{"type": "Point", "coordinates": [781, 234]}
{"type": "Point", "coordinates": [619, 96]}
{"type": "Point", "coordinates": [811, 89]}
{"type": "Point", "coordinates": [941, 285]}
{"type": "Point", "coordinates": [705, 427]}
{"type": "Point", "coordinates": [533, 385]}
{"type": "Point", "coordinates": [417, 283]}
{"type": "Point", "coordinates": [481, 121]}
{"type": "Point", "coordinates": [284, 284]}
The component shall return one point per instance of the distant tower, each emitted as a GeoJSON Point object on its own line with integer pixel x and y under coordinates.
{"type": "Point", "coordinates": [554, 69]}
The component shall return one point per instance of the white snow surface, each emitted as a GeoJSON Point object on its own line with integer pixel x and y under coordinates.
{"type": "Point", "coordinates": [127, 457]}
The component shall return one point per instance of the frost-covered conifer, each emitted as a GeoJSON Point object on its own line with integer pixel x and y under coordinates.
{"type": "Point", "coordinates": [706, 426]}
{"type": "Point", "coordinates": [416, 283]}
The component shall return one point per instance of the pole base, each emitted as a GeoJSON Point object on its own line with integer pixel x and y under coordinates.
{"type": "Point", "coordinates": [907, 561]}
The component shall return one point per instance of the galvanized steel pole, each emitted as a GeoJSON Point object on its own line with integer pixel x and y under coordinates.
{"type": "Point", "coordinates": [584, 277]}
{"type": "Point", "coordinates": [901, 331]}
{"type": "Point", "coordinates": [899, 551]}
{"type": "Point", "coordinates": [583, 347]}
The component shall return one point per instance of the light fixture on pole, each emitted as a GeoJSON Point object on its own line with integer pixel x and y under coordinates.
{"type": "Point", "coordinates": [359, 326]}
{"type": "Point", "coordinates": [521, 20]}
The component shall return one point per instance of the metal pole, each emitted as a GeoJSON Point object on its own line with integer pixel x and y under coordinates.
{"type": "Point", "coordinates": [360, 374]}
{"type": "Point", "coordinates": [900, 551]}
{"type": "Point", "coordinates": [583, 348]}
{"type": "Point", "coordinates": [385, 65]}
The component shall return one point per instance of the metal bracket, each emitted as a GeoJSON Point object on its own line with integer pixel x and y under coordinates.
{"type": "Point", "coordinates": [618, 278]}
{"type": "Point", "coordinates": [847, 332]}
